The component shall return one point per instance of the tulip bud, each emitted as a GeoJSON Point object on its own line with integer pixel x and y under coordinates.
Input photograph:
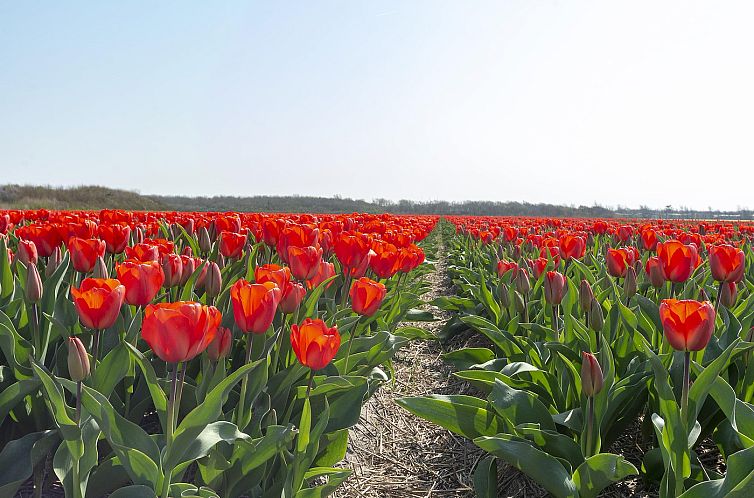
{"type": "Point", "coordinates": [586, 295]}
{"type": "Point", "coordinates": [728, 295]}
{"type": "Point", "coordinates": [219, 348]}
{"type": "Point", "coordinates": [172, 267]}
{"type": "Point", "coordinates": [750, 335]}
{"type": "Point", "coordinates": [654, 270]}
{"type": "Point", "coordinates": [205, 244]}
{"type": "Point", "coordinates": [53, 262]}
{"type": "Point", "coordinates": [629, 283]}
{"type": "Point", "coordinates": [596, 318]}
{"type": "Point", "coordinates": [555, 287]}
{"type": "Point", "coordinates": [590, 239]}
{"type": "Point", "coordinates": [523, 286]}
{"type": "Point", "coordinates": [502, 292]}
{"type": "Point", "coordinates": [591, 375]}
{"type": "Point", "coordinates": [518, 300]}
{"type": "Point", "coordinates": [214, 281]}
{"type": "Point", "coordinates": [100, 269]}
{"type": "Point", "coordinates": [33, 284]}
{"type": "Point", "coordinates": [138, 233]}
{"type": "Point", "coordinates": [187, 251]}
{"type": "Point", "coordinates": [78, 360]}
{"type": "Point", "coordinates": [188, 269]}
{"type": "Point", "coordinates": [703, 296]}
{"type": "Point", "coordinates": [517, 253]}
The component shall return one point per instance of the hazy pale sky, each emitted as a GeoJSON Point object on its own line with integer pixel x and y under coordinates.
{"type": "Point", "coordinates": [630, 102]}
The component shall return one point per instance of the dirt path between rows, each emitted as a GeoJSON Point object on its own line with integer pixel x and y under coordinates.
{"type": "Point", "coordinates": [395, 454]}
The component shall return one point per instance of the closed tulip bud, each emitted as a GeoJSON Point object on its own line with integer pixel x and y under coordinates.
{"type": "Point", "coordinates": [219, 348]}
{"type": "Point", "coordinates": [703, 296]}
{"type": "Point", "coordinates": [523, 286]}
{"type": "Point", "coordinates": [188, 269]}
{"type": "Point", "coordinates": [78, 360]}
{"type": "Point", "coordinates": [655, 273]}
{"type": "Point", "coordinates": [750, 335]}
{"type": "Point", "coordinates": [517, 252]}
{"type": "Point", "coordinates": [214, 280]}
{"type": "Point", "coordinates": [187, 251]}
{"type": "Point", "coordinates": [518, 301]}
{"type": "Point", "coordinates": [555, 287]}
{"type": "Point", "coordinates": [33, 284]}
{"type": "Point", "coordinates": [590, 239]}
{"type": "Point", "coordinates": [172, 268]}
{"type": "Point", "coordinates": [100, 269]}
{"type": "Point", "coordinates": [728, 295]}
{"type": "Point", "coordinates": [629, 283]}
{"type": "Point", "coordinates": [205, 244]}
{"type": "Point", "coordinates": [53, 262]}
{"type": "Point", "coordinates": [596, 318]}
{"type": "Point", "coordinates": [138, 235]}
{"type": "Point", "coordinates": [502, 292]}
{"type": "Point", "coordinates": [586, 295]}
{"type": "Point", "coordinates": [591, 375]}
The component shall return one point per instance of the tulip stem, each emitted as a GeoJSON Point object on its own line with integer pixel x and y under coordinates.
{"type": "Point", "coordinates": [171, 428]}
{"type": "Point", "coordinates": [719, 295]}
{"type": "Point", "coordinates": [350, 344]}
{"type": "Point", "coordinates": [95, 351]}
{"type": "Point", "coordinates": [240, 422]}
{"type": "Point", "coordinates": [309, 385]}
{"type": "Point", "coordinates": [590, 426]}
{"type": "Point", "coordinates": [685, 390]}
{"type": "Point", "coordinates": [346, 288]}
{"type": "Point", "coordinates": [78, 403]}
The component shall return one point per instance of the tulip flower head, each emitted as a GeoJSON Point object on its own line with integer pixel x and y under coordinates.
{"type": "Point", "coordinates": [98, 302]}
{"type": "Point", "coordinates": [688, 324]}
{"type": "Point", "coordinates": [314, 343]}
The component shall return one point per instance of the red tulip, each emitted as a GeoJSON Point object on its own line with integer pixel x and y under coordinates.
{"type": "Point", "coordinates": [555, 287]}
{"type": "Point", "coordinates": [172, 268]}
{"type": "Point", "coordinates": [179, 331]}
{"type": "Point", "coordinates": [649, 239]}
{"type": "Point", "coordinates": [27, 252]}
{"type": "Point", "coordinates": [325, 271]}
{"type": "Point", "coordinates": [291, 298]}
{"type": "Point", "coordinates": [220, 345]}
{"type": "Point", "coordinates": [572, 246]}
{"type": "Point", "coordinates": [624, 233]}
{"type": "Point", "coordinates": [314, 343]}
{"type": "Point", "coordinates": [304, 261]}
{"type": "Point", "coordinates": [504, 267]}
{"type": "Point", "coordinates": [591, 375]}
{"type": "Point", "coordinates": [366, 296]}
{"type": "Point", "coordinates": [727, 263]}
{"type": "Point", "coordinates": [115, 237]}
{"type": "Point", "coordinates": [45, 237]}
{"type": "Point", "coordinates": [84, 253]}
{"type": "Point", "coordinates": [677, 259]}
{"type": "Point", "coordinates": [688, 324]}
{"type": "Point", "coordinates": [384, 263]}
{"type": "Point", "coordinates": [231, 244]}
{"type": "Point", "coordinates": [98, 302]}
{"type": "Point", "coordinates": [618, 260]}
{"type": "Point", "coordinates": [143, 252]}
{"type": "Point", "coordinates": [142, 280]}
{"type": "Point", "coordinates": [254, 305]}
{"type": "Point", "coordinates": [352, 250]}
{"type": "Point", "coordinates": [655, 273]}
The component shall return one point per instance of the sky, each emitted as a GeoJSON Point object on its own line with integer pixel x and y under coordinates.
{"type": "Point", "coordinates": [570, 102]}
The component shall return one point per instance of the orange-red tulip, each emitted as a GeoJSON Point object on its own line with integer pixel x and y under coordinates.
{"type": "Point", "coordinates": [688, 324]}
{"type": "Point", "coordinates": [98, 301]}
{"type": "Point", "coordinates": [314, 343]}
{"type": "Point", "coordinates": [179, 331]}
{"type": "Point", "coordinates": [572, 246]}
{"type": "Point", "coordinates": [304, 261]}
{"type": "Point", "coordinates": [254, 305]}
{"type": "Point", "coordinates": [231, 244]}
{"type": "Point", "coordinates": [84, 253]}
{"type": "Point", "coordinates": [115, 237]}
{"type": "Point", "coordinates": [366, 296]}
{"type": "Point", "coordinates": [618, 260]}
{"type": "Point", "coordinates": [678, 260]}
{"type": "Point", "coordinates": [727, 263]}
{"type": "Point", "coordinates": [142, 279]}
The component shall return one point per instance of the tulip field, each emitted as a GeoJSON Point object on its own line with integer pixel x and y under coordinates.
{"type": "Point", "coordinates": [176, 354]}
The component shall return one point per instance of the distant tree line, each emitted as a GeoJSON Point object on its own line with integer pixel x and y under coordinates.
{"type": "Point", "coordinates": [94, 197]}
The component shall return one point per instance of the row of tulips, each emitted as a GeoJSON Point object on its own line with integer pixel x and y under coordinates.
{"type": "Point", "coordinates": [196, 354]}
{"type": "Point", "coordinates": [596, 329]}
